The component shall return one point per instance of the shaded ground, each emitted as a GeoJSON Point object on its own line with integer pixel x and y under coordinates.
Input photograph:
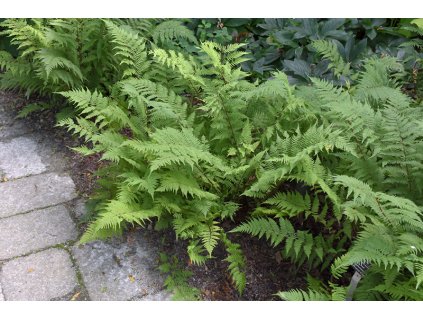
{"type": "Point", "coordinates": [266, 273]}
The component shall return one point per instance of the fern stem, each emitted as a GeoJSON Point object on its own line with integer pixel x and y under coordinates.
{"type": "Point", "coordinates": [78, 40]}
{"type": "Point", "coordinates": [405, 159]}
{"type": "Point", "coordinates": [207, 178]}
{"type": "Point", "coordinates": [225, 111]}
{"type": "Point", "coordinates": [383, 213]}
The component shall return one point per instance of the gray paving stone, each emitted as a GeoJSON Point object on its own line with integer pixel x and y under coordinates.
{"type": "Point", "coordinates": [6, 118]}
{"type": "Point", "coordinates": [16, 128]}
{"type": "Point", "coordinates": [24, 233]}
{"type": "Point", "coordinates": [1, 294]}
{"type": "Point", "coordinates": [162, 295]}
{"type": "Point", "coordinates": [35, 192]}
{"type": "Point", "coordinates": [79, 209]}
{"type": "Point", "coordinates": [19, 157]}
{"type": "Point", "coordinates": [118, 270]}
{"type": "Point", "coordinates": [41, 276]}
{"type": "Point", "coordinates": [10, 126]}
{"type": "Point", "coordinates": [51, 155]}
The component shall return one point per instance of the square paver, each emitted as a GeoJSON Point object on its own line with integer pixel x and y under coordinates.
{"type": "Point", "coordinates": [162, 295]}
{"type": "Point", "coordinates": [1, 294]}
{"type": "Point", "coordinates": [24, 233]}
{"type": "Point", "coordinates": [19, 157]}
{"type": "Point", "coordinates": [17, 128]}
{"type": "Point", "coordinates": [119, 270]}
{"type": "Point", "coordinates": [42, 276]}
{"type": "Point", "coordinates": [6, 118]}
{"type": "Point", "coordinates": [35, 192]}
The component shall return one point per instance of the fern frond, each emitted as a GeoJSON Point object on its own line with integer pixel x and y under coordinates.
{"type": "Point", "coordinates": [177, 279]}
{"type": "Point", "coordinates": [165, 108]}
{"type": "Point", "coordinates": [169, 146]}
{"type": "Point", "coordinates": [111, 219]}
{"type": "Point", "coordinates": [172, 30]}
{"type": "Point", "coordinates": [130, 49]}
{"type": "Point", "coordinates": [196, 253]}
{"type": "Point", "coordinates": [301, 295]}
{"type": "Point", "coordinates": [209, 234]}
{"type": "Point", "coordinates": [292, 202]}
{"type": "Point", "coordinates": [185, 66]}
{"type": "Point", "coordinates": [236, 263]}
{"type": "Point", "coordinates": [376, 84]}
{"type": "Point", "coordinates": [268, 228]}
{"type": "Point", "coordinates": [52, 60]}
{"type": "Point", "coordinates": [329, 50]}
{"type": "Point", "coordinates": [176, 182]}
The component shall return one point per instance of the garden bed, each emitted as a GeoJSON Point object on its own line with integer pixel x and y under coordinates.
{"type": "Point", "coordinates": [265, 271]}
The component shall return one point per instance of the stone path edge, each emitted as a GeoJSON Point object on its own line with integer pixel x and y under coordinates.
{"type": "Point", "coordinates": [22, 195]}
{"type": "Point", "coordinates": [24, 233]}
{"type": "Point", "coordinates": [39, 276]}
{"type": "Point", "coordinates": [42, 191]}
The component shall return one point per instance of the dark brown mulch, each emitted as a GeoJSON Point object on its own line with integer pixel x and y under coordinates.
{"type": "Point", "coordinates": [266, 272]}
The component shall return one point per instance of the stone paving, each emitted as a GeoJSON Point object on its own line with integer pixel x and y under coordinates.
{"type": "Point", "coordinates": [39, 214]}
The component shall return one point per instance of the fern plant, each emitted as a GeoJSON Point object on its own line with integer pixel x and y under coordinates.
{"type": "Point", "coordinates": [176, 281]}
{"type": "Point", "coordinates": [164, 168]}
{"type": "Point", "coordinates": [389, 239]}
{"type": "Point", "coordinates": [329, 173]}
{"type": "Point", "coordinates": [62, 54]}
{"type": "Point", "coordinates": [187, 162]}
{"type": "Point", "coordinates": [54, 54]}
{"type": "Point", "coordinates": [189, 141]}
{"type": "Point", "coordinates": [383, 179]}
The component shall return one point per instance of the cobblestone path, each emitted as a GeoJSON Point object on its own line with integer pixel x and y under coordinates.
{"type": "Point", "coordinates": [39, 214]}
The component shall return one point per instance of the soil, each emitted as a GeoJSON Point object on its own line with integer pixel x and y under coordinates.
{"type": "Point", "coordinates": [266, 272]}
